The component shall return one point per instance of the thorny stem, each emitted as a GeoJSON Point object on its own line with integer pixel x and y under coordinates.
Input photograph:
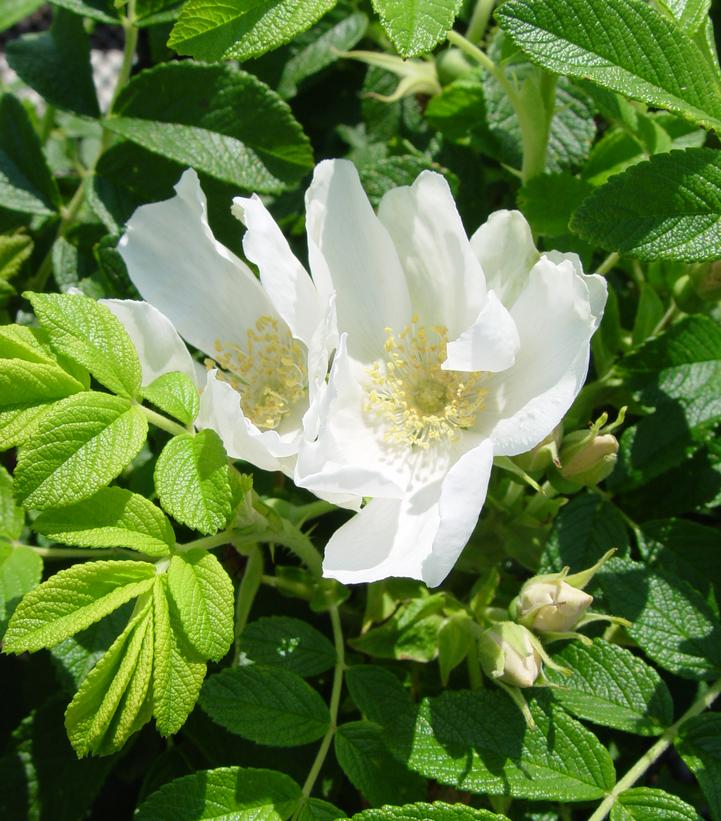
{"type": "Point", "coordinates": [656, 751]}
{"type": "Point", "coordinates": [247, 591]}
{"type": "Point", "coordinates": [163, 422]}
{"type": "Point", "coordinates": [333, 705]}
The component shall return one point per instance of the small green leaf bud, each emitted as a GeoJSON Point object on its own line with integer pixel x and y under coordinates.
{"type": "Point", "coordinates": [543, 455]}
{"type": "Point", "coordinates": [588, 459]}
{"type": "Point", "coordinates": [509, 653]}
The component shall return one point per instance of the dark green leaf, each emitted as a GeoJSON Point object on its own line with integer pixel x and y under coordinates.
{"type": "Point", "coordinates": [20, 570]}
{"type": "Point", "coordinates": [646, 804]}
{"type": "Point", "coordinates": [281, 641]}
{"type": "Point", "coordinates": [548, 201]}
{"type": "Point", "coordinates": [699, 744]}
{"type": "Point", "coordinates": [438, 811]}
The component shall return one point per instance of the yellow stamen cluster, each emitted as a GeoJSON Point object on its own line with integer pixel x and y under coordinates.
{"type": "Point", "coordinates": [270, 373]}
{"type": "Point", "coordinates": [418, 402]}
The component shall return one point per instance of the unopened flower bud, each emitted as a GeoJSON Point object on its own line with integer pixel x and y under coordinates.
{"type": "Point", "coordinates": [706, 279]}
{"type": "Point", "coordinates": [548, 604]}
{"type": "Point", "coordinates": [511, 654]}
{"type": "Point", "coordinates": [587, 458]}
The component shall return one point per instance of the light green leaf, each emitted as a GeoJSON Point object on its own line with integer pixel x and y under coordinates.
{"type": "Point", "coordinates": [370, 767]}
{"type": "Point", "coordinates": [79, 446]}
{"type": "Point", "coordinates": [699, 743]}
{"type": "Point", "coordinates": [612, 687]}
{"type": "Point", "coordinates": [191, 477]}
{"type": "Point", "coordinates": [671, 622]}
{"type": "Point", "coordinates": [583, 531]}
{"type": "Point", "coordinates": [478, 741]}
{"type": "Point", "coordinates": [690, 14]}
{"type": "Point", "coordinates": [191, 113]}
{"type": "Point", "coordinates": [241, 29]}
{"type": "Point", "coordinates": [229, 792]}
{"type": "Point", "coordinates": [18, 423]}
{"type": "Point", "coordinates": [101, 10]}
{"type": "Point", "coordinates": [20, 570]}
{"type": "Point", "coordinates": [24, 383]}
{"type": "Point", "coordinates": [25, 181]}
{"type": "Point", "coordinates": [416, 26]}
{"type": "Point", "coordinates": [14, 10]}
{"type": "Point", "coordinates": [455, 638]}
{"type": "Point", "coordinates": [281, 641]}
{"type": "Point", "coordinates": [647, 804]}
{"type": "Point", "coordinates": [14, 250]}
{"type": "Point", "coordinates": [113, 701]}
{"type": "Point", "coordinates": [657, 64]}
{"type": "Point", "coordinates": [178, 671]}
{"type": "Point", "coordinates": [268, 705]}
{"type": "Point", "coordinates": [438, 811]}
{"type": "Point", "coordinates": [72, 600]}
{"type": "Point", "coordinates": [175, 394]}
{"type": "Point", "coordinates": [88, 333]}
{"type": "Point", "coordinates": [316, 49]}
{"type": "Point", "coordinates": [56, 64]}
{"type": "Point", "coordinates": [203, 596]}
{"type": "Point", "coordinates": [12, 518]}
{"type": "Point", "coordinates": [113, 517]}
{"type": "Point", "coordinates": [666, 208]}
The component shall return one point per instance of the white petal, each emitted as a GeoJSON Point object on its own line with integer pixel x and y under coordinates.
{"type": "Point", "coordinates": [159, 347]}
{"type": "Point", "coordinates": [463, 493]}
{"type": "Point", "coordinates": [420, 536]}
{"type": "Point", "coordinates": [178, 266]}
{"type": "Point", "coordinates": [445, 280]}
{"type": "Point", "coordinates": [285, 280]}
{"type": "Point", "coordinates": [352, 255]}
{"type": "Point", "coordinates": [220, 409]}
{"type": "Point", "coordinates": [389, 537]}
{"type": "Point", "coordinates": [556, 315]}
{"type": "Point", "coordinates": [490, 344]}
{"type": "Point", "coordinates": [504, 246]}
{"type": "Point", "coordinates": [349, 455]}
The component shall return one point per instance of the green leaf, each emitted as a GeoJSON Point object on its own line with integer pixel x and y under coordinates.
{"type": "Point", "coordinates": [612, 687]}
{"type": "Point", "coordinates": [72, 600]}
{"type": "Point", "coordinates": [647, 804]}
{"type": "Point", "coordinates": [178, 671]}
{"type": "Point", "coordinates": [20, 570]}
{"type": "Point", "coordinates": [79, 446]}
{"type": "Point", "coordinates": [699, 743]}
{"type": "Point", "coordinates": [12, 518]}
{"type": "Point", "coordinates": [379, 176]}
{"type": "Point", "coordinates": [88, 333]}
{"type": "Point", "coordinates": [175, 394]}
{"type": "Point", "coordinates": [666, 208]}
{"type": "Point", "coordinates": [548, 200]}
{"type": "Point", "coordinates": [191, 477]}
{"type": "Point", "coordinates": [293, 644]}
{"type": "Point", "coordinates": [268, 705]}
{"type": "Point", "coordinates": [203, 596]}
{"type": "Point", "coordinates": [229, 792]}
{"type": "Point", "coordinates": [217, 119]}
{"type": "Point", "coordinates": [371, 769]}
{"type": "Point", "coordinates": [437, 811]}
{"type": "Point", "coordinates": [315, 809]}
{"type": "Point", "coordinates": [455, 638]}
{"type": "Point", "coordinates": [583, 531]}
{"type": "Point", "coordinates": [24, 383]}
{"type": "Point", "coordinates": [313, 51]}
{"type": "Point", "coordinates": [25, 181]}
{"type": "Point", "coordinates": [14, 250]}
{"type": "Point", "coordinates": [671, 622]}
{"type": "Point", "coordinates": [690, 14]}
{"type": "Point", "coordinates": [56, 64]}
{"type": "Point", "coordinates": [478, 742]}
{"type": "Point", "coordinates": [14, 10]}
{"type": "Point", "coordinates": [239, 29]}
{"type": "Point", "coordinates": [459, 113]}
{"type": "Point", "coordinates": [657, 63]}
{"type": "Point", "coordinates": [113, 701]}
{"type": "Point", "coordinates": [101, 10]}
{"type": "Point", "coordinates": [41, 778]}
{"type": "Point", "coordinates": [416, 26]}
{"type": "Point", "coordinates": [113, 517]}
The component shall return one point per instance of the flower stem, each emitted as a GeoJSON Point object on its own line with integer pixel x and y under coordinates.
{"type": "Point", "coordinates": [207, 542]}
{"type": "Point", "coordinates": [90, 554]}
{"type": "Point", "coordinates": [608, 264]}
{"type": "Point", "coordinates": [656, 751]}
{"type": "Point", "coordinates": [247, 591]}
{"type": "Point", "coordinates": [163, 422]}
{"type": "Point", "coordinates": [131, 42]}
{"type": "Point", "coordinates": [479, 20]}
{"type": "Point", "coordinates": [332, 706]}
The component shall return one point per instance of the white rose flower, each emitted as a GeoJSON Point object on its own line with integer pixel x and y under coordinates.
{"type": "Point", "coordinates": [452, 351]}
{"type": "Point", "coordinates": [267, 339]}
